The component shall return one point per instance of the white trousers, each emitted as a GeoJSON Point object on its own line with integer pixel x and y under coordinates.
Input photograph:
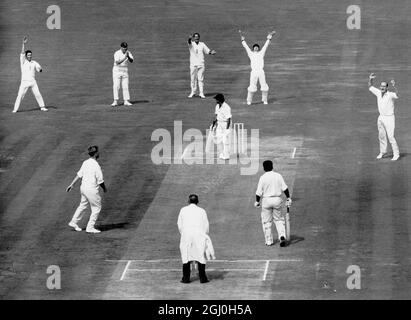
{"type": "Point", "coordinates": [120, 78]}
{"type": "Point", "coordinates": [271, 211]}
{"type": "Point", "coordinates": [386, 127]}
{"type": "Point", "coordinates": [24, 86]}
{"type": "Point", "coordinates": [255, 77]}
{"type": "Point", "coordinates": [88, 196]}
{"type": "Point", "coordinates": [223, 139]}
{"type": "Point", "coordinates": [197, 77]}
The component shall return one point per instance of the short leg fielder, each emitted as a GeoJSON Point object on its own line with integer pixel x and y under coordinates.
{"type": "Point", "coordinates": [386, 127]}
{"type": "Point", "coordinates": [92, 197]}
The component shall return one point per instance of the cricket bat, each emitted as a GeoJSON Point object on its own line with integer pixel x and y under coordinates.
{"type": "Point", "coordinates": [287, 224]}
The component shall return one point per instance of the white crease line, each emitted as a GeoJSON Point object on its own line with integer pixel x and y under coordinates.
{"type": "Point", "coordinates": [211, 261]}
{"type": "Point", "coordinates": [179, 270]}
{"type": "Point", "coordinates": [293, 155]}
{"type": "Point", "coordinates": [266, 269]}
{"type": "Point", "coordinates": [125, 270]}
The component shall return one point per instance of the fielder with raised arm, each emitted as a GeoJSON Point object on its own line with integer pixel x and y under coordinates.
{"type": "Point", "coordinates": [386, 119]}
{"type": "Point", "coordinates": [268, 196]}
{"type": "Point", "coordinates": [120, 74]}
{"type": "Point", "coordinates": [257, 68]}
{"type": "Point", "coordinates": [28, 78]}
{"type": "Point", "coordinates": [197, 66]}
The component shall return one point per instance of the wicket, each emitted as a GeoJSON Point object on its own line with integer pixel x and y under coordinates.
{"type": "Point", "coordinates": [238, 138]}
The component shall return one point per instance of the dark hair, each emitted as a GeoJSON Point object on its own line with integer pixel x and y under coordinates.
{"type": "Point", "coordinates": [124, 45]}
{"type": "Point", "coordinates": [92, 150]}
{"type": "Point", "coordinates": [219, 97]}
{"type": "Point", "coordinates": [193, 198]}
{"type": "Point", "coordinates": [27, 52]}
{"type": "Point", "coordinates": [196, 33]}
{"type": "Point", "coordinates": [268, 165]}
{"type": "Point", "coordinates": [256, 45]}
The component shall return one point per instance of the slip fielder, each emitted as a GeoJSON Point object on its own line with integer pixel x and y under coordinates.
{"type": "Point", "coordinates": [197, 65]}
{"type": "Point", "coordinates": [120, 74]}
{"type": "Point", "coordinates": [257, 68]}
{"type": "Point", "coordinates": [268, 196]}
{"type": "Point", "coordinates": [386, 119]}
{"type": "Point", "coordinates": [28, 78]}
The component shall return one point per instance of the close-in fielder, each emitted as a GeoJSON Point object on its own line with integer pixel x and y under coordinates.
{"type": "Point", "coordinates": [195, 243]}
{"type": "Point", "coordinates": [120, 74]}
{"type": "Point", "coordinates": [257, 69]}
{"type": "Point", "coordinates": [92, 178]}
{"type": "Point", "coordinates": [28, 78]}
{"type": "Point", "coordinates": [222, 126]}
{"type": "Point", "coordinates": [268, 196]}
{"type": "Point", "coordinates": [386, 119]}
{"type": "Point", "coordinates": [197, 65]}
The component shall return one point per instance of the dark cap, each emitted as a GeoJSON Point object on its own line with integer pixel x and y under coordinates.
{"type": "Point", "coordinates": [193, 198]}
{"type": "Point", "coordinates": [219, 97]}
{"type": "Point", "coordinates": [124, 45]}
{"type": "Point", "coordinates": [92, 150]}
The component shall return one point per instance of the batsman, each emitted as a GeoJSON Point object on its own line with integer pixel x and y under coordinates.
{"type": "Point", "coordinates": [268, 196]}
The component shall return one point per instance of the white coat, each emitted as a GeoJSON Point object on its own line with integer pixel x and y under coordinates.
{"type": "Point", "coordinates": [193, 226]}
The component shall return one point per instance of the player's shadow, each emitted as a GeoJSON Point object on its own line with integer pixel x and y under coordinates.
{"type": "Point", "coordinates": [211, 275]}
{"type": "Point", "coordinates": [36, 109]}
{"type": "Point", "coordinates": [294, 239]}
{"type": "Point", "coordinates": [276, 99]}
{"type": "Point", "coordinates": [139, 101]}
{"type": "Point", "coordinates": [107, 227]}
{"type": "Point", "coordinates": [211, 94]}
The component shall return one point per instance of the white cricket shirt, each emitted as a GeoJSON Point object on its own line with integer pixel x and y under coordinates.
{"type": "Point", "coordinates": [223, 113]}
{"type": "Point", "coordinates": [271, 184]}
{"type": "Point", "coordinates": [256, 58]}
{"type": "Point", "coordinates": [28, 69]}
{"type": "Point", "coordinates": [118, 56]}
{"type": "Point", "coordinates": [386, 102]}
{"type": "Point", "coordinates": [197, 52]}
{"type": "Point", "coordinates": [91, 174]}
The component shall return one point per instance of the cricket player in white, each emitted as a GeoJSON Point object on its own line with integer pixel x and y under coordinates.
{"type": "Point", "coordinates": [386, 119]}
{"type": "Point", "coordinates": [194, 242]}
{"type": "Point", "coordinates": [28, 78]}
{"type": "Point", "coordinates": [257, 68]}
{"type": "Point", "coordinates": [197, 66]}
{"type": "Point", "coordinates": [120, 74]}
{"type": "Point", "coordinates": [268, 196]}
{"type": "Point", "coordinates": [222, 126]}
{"type": "Point", "coordinates": [92, 177]}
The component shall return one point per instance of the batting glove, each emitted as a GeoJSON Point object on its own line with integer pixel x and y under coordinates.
{"type": "Point", "coordinates": [256, 204]}
{"type": "Point", "coordinates": [288, 202]}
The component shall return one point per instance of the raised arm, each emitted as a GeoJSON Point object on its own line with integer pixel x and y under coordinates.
{"type": "Point", "coordinates": [23, 49]}
{"type": "Point", "coordinates": [394, 87]}
{"type": "Point", "coordinates": [267, 42]}
{"type": "Point", "coordinates": [244, 44]}
{"type": "Point", "coordinates": [371, 80]}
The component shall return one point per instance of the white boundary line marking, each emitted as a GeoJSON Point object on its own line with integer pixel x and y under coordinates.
{"type": "Point", "coordinates": [293, 155]}
{"type": "Point", "coordinates": [125, 270]}
{"type": "Point", "coordinates": [266, 269]}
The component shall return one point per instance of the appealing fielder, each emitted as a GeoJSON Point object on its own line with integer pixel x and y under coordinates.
{"type": "Point", "coordinates": [120, 74]}
{"type": "Point", "coordinates": [197, 66]}
{"type": "Point", "coordinates": [386, 119]}
{"type": "Point", "coordinates": [221, 126]}
{"type": "Point", "coordinates": [92, 177]}
{"type": "Point", "coordinates": [28, 78]}
{"type": "Point", "coordinates": [195, 244]}
{"type": "Point", "coordinates": [268, 197]}
{"type": "Point", "coordinates": [257, 68]}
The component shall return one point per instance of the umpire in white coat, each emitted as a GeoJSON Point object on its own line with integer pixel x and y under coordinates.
{"type": "Point", "coordinates": [194, 242]}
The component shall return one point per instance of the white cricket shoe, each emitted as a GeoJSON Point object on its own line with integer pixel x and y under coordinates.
{"type": "Point", "coordinates": [14, 111]}
{"type": "Point", "coordinates": [380, 155]}
{"type": "Point", "coordinates": [127, 103]}
{"type": "Point", "coordinates": [191, 95]}
{"type": "Point", "coordinates": [92, 230]}
{"type": "Point", "coordinates": [44, 109]}
{"type": "Point", "coordinates": [248, 103]}
{"type": "Point", "coordinates": [114, 104]}
{"type": "Point", "coordinates": [395, 157]}
{"type": "Point", "coordinates": [202, 96]}
{"type": "Point", "coordinates": [74, 225]}
{"type": "Point", "coordinates": [265, 102]}
{"type": "Point", "coordinates": [224, 158]}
